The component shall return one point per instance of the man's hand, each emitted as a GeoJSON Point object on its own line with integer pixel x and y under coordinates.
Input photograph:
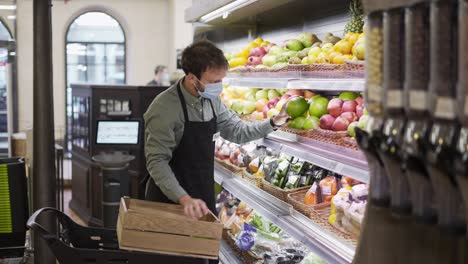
{"type": "Point", "coordinates": [281, 118]}
{"type": "Point", "coordinates": [194, 208]}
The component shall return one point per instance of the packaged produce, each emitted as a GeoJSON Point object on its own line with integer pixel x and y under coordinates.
{"type": "Point", "coordinates": [270, 164]}
{"type": "Point", "coordinates": [328, 187]}
{"type": "Point", "coordinates": [312, 196]}
{"type": "Point", "coordinates": [289, 255]}
{"type": "Point", "coordinates": [254, 165]}
{"type": "Point", "coordinates": [313, 258]}
{"type": "Point", "coordinates": [348, 208]}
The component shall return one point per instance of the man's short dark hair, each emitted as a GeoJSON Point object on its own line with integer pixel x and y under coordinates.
{"type": "Point", "coordinates": [200, 56]}
{"type": "Point", "coordinates": [159, 69]}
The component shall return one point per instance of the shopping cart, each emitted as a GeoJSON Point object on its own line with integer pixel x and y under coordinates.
{"type": "Point", "coordinates": [77, 244]}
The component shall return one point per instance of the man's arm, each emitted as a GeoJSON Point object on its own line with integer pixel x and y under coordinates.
{"type": "Point", "coordinates": [160, 142]}
{"type": "Point", "coordinates": [232, 128]}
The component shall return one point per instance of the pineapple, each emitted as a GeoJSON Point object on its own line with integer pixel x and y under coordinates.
{"type": "Point", "coordinates": [356, 23]}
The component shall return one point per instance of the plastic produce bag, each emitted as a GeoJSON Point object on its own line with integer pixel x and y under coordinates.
{"type": "Point", "coordinates": [312, 258]}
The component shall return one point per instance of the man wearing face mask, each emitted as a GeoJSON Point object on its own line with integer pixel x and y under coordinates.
{"type": "Point", "coordinates": [180, 125]}
{"type": "Point", "coordinates": [161, 77]}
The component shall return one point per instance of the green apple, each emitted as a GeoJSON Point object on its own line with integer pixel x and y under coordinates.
{"type": "Point", "coordinates": [362, 124]}
{"type": "Point", "coordinates": [294, 44]}
{"type": "Point", "coordinates": [272, 112]}
{"type": "Point", "coordinates": [251, 96]}
{"type": "Point", "coordinates": [269, 60]}
{"type": "Point", "coordinates": [315, 51]}
{"type": "Point", "coordinates": [351, 127]}
{"type": "Point", "coordinates": [248, 107]}
{"type": "Point", "coordinates": [280, 104]}
{"type": "Point", "coordinates": [262, 94]}
{"type": "Point", "coordinates": [327, 46]}
{"type": "Point", "coordinates": [311, 122]}
{"type": "Point", "coordinates": [273, 94]}
{"type": "Point", "coordinates": [298, 122]}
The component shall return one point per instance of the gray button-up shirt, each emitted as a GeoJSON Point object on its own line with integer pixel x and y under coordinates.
{"type": "Point", "coordinates": [164, 127]}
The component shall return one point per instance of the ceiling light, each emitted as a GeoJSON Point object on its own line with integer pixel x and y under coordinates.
{"type": "Point", "coordinates": [7, 7]}
{"type": "Point", "coordinates": [11, 17]}
{"type": "Point", "coordinates": [225, 11]}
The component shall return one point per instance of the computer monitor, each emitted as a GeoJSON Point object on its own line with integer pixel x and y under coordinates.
{"type": "Point", "coordinates": [118, 132]}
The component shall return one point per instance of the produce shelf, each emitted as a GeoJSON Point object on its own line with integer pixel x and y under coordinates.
{"type": "Point", "coordinates": [277, 83]}
{"type": "Point", "coordinates": [341, 85]}
{"type": "Point", "coordinates": [322, 242]}
{"type": "Point", "coordinates": [227, 255]}
{"type": "Point", "coordinates": [316, 84]}
{"type": "Point", "coordinates": [328, 156]}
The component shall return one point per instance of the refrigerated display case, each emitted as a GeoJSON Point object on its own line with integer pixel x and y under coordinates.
{"type": "Point", "coordinates": [232, 31]}
{"type": "Point", "coordinates": [407, 161]}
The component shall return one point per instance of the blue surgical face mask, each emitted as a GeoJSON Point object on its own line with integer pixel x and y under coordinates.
{"type": "Point", "coordinates": [212, 91]}
{"type": "Point", "coordinates": [165, 79]}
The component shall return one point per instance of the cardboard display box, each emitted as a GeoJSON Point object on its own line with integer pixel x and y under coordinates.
{"type": "Point", "coordinates": [163, 228]}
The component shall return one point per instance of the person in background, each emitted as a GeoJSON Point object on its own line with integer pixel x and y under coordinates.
{"type": "Point", "coordinates": [180, 127]}
{"type": "Point", "coordinates": [161, 77]}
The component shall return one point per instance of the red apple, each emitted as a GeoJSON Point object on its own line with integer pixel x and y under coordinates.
{"type": "Point", "coordinates": [350, 116]}
{"type": "Point", "coordinates": [359, 110]}
{"type": "Point", "coordinates": [326, 121]}
{"type": "Point", "coordinates": [272, 103]}
{"type": "Point", "coordinates": [359, 100]}
{"type": "Point", "coordinates": [349, 106]}
{"type": "Point", "coordinates": [334, 107]}
{"type": "Point", "coordinates": [340, 124]}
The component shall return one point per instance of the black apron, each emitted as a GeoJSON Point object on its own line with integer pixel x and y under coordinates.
{"type": "Point", "coordinates": [192, 163]}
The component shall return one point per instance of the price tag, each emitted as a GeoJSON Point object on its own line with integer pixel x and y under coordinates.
{"type": "Point", "coordinates": [285, 136]}
{"type": "Point", "coordinates": [418, 100]}
{"type": "Point", "coordinates": [445, 107]}
{"type": "Point", "coordinates": [394, 98]}
{"type": "Point", "coordinates": [339, 168]}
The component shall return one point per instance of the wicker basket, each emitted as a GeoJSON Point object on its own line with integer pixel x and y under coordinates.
{"type": "Point", "coordinates": [297, 67]}
{"type": "Point", "coordinates": [278, 192]}
{"type": "Point", "coordinates": [320, 214]}
{"type": "Point", "coordinates": [299, 132]}
{"type": "Point", "coordinates": [328, 136]}
{"type": "Point", "coordinates": [324, 70]}
{"type": "Point", "coordinates": [354, 69]}
{"type": "Point", "coordinates": [349, 142]}
{"type": "Point", "coordinates": [296, 199]}
{"type": "Point", "coordinates": [247, 256]}
{"type": "Point", "coordinates": [229, 166]}
{"type": "Point", "coordinates": [257, 181]}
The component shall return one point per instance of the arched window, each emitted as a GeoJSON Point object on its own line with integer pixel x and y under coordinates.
{"type": "Point", "coordinates": [95, 54]}
{"type": "Point", "coordinates": [95, 50]}
{"type": "Point", "coordinates": [7, 77]}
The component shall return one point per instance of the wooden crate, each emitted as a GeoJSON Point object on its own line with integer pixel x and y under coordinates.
{"type": "Point", "coordinates": [163, 228]}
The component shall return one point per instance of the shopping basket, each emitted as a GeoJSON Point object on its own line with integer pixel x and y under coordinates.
{"type": "Point", "coordinates": [77, 244]}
